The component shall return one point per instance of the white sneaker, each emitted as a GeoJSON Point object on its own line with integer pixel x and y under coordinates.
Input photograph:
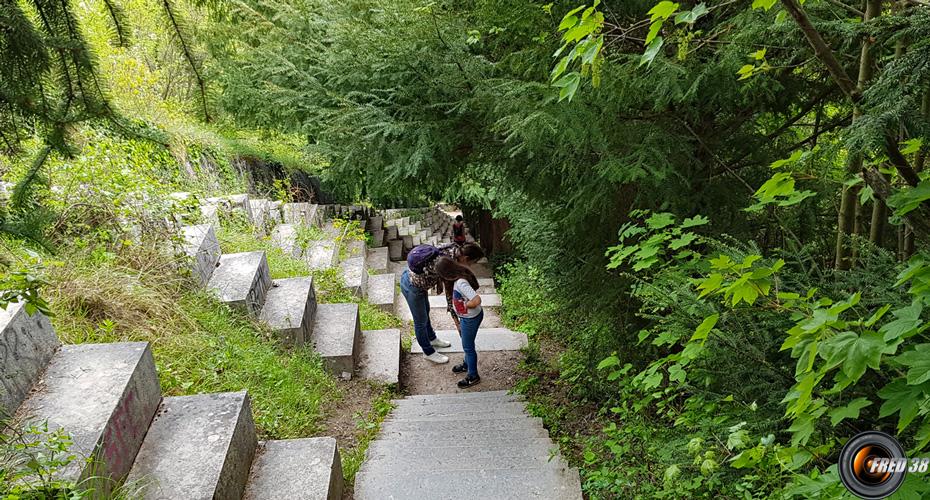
{"type": "Point", "coordinates": [438, 358]}
{"type": "Point", "coordinates": [437, 342]}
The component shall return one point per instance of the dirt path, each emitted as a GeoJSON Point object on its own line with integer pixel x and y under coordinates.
{"type": "Point", "coordinates": [498, 372]}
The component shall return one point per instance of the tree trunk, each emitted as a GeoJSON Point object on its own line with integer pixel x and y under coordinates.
{"type": "Point", "coordinates": [846, 222]}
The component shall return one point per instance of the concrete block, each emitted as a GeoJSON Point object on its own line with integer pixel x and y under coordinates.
{"type": "Point", "coordinates": [395, 250]}
{"type": "Point", "coordinates": [289, 308]}
{"type": "Point", "coordinates": [355, 275]}
{"type": "Point", "coordinates": [284, 236]}
{"type": "Point", "coordinates": [233, 203]}
{"type": "Point", "coordinates": [198, 447]}
{"type": "Point", "coordinates": [407, 243]}
{"type": "Point", "coordinates": [242, 280]}
{"type": "Point", "coordinates": [104, 397]}
{"type": "Point", "coordinates": [377, 238]}
{"type": "Point", "coordinates": [488, 339]}
{"type": "Point", "coordinates": [357, 248]}
{"type": "Point", "coordinates": [202, 247]}
{"type": "Point", "coordinates": [416, 240]}
{"type": "Point", "coordinates": [391, 233]}
{"type": "Point", "coordinates": [27, 344]}
{"type": "Point", "coordinates": [379, 356]}
{"type": "Point", "coordinates": [336, 336]}
{"type": "Point", "coordinates": [381, 291]}
{"type": "Point", "coordinates": [300, 213]}
{"type": "Point", "coordinates": [375, 223]}
{"type": "Point", "coordinates": [209, 214]}
{"type": "Point", "coordinates": [377, 259]}
{"type": "Point", "coordinates": [298, 469]}
{"type": "Point", "coordinates": [260, 214]}
{"type": "Point", "coordinates": [322, 254]}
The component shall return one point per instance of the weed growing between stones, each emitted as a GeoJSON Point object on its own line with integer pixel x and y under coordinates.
{"type": "Point", "coordinates": [368, 425]}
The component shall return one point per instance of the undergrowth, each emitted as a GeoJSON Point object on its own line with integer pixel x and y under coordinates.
{"type": "Point", "coordinates": [368, 425]}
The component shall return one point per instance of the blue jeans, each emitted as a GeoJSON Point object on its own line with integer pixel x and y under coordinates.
{"type": "Point", "coordinates": [418, 300]}
{"type": "Point", "coordinates": [469, 332]}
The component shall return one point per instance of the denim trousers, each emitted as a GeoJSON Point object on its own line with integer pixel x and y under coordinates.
{"type": "Point", "coordinates": [469, 332]}
{"type": "Point", "coordinates": [418, 300]}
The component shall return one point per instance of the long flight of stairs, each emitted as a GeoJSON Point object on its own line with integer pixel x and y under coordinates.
{"type": "Point", "coordinates": [464, 446]}
{"type": "Point", "coordinates": [107, 397]}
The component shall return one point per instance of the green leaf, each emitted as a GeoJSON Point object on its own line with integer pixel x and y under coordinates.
{"type": "Point", "coordinates": [907, 324]}
{"type": "Point", "coordinates": [903, 399]}
{"type": "Point", "coordinates": [697, 220]}
{"type": "Point", "coordinates": [690, 16]}
{"type": "Point", "coordinates": [662, 10]}
{"type": "Point", "coordinates": [918, 362]}
{"type": "Point", "coordinates": [569, 85]}
{"type": "Point", "coordinates": [559, 68]}
{"type": "Point", "coordinates": [653, 31]}
{"type": "Point", "coordinates": [856, 352]}
{"type": "Point", "coordinates": [608, 362]}
{"type": "Point", "coordinates": [912, 146]}
{"type": "Point", "coordinates": [705, 327]}
{"type": "Point", "coordinates": [651, 51]}
{"type": "Point", "coordinates": [763, 4]}
{"type": "Point", "coordinates": [682, 241]}
{"type": "Point", "coordinates": [570, 19]}
{"type": "Point", "coordinates": [851, 410]}
{"type": "Point", "coordinates": [660, 220]}
{"type": "Point", "coordinates": [908, 199]}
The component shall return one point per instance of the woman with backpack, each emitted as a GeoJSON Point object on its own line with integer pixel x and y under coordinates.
{"type": "Point", "coordinates": [416, 281]}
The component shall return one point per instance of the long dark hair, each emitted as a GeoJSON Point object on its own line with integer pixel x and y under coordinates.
{"type": "Point", "coordinates": [450, 270]}
{"type": "Point", "coordinates": [472, 252]}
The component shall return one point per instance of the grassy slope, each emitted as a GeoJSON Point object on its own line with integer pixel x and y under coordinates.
{"type": "Point", "coordinates": [199, 344]}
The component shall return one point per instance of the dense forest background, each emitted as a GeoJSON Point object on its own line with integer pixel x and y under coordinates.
{"type": "Point", "coordinates": [717, 210]}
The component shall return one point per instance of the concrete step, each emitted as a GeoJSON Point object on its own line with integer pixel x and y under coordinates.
{"type": "Point", "coordinates": [488, 339]}
{"type": "Point", "coordinates": [520, 422]}
{"type": "Point", "coordinates": [471, 438]}
{"type": "Point", "coordinates": [377, 259]}
{"type": "Point", "coordinates": [242, 281]}
{"type": "Point", "coordinates": [395, 249]}
{"type": "Point", "coordinates": [488, 300]}
{"type": "Point", "coordinates": [104, 397]}
{"type": "Point", "coordinates": [301, 213]}
{"type": "Point", "coordinates": [203, 250]}
{"type": "Point", "coordinates": [261, 215]}
{"type": "Point", "coordinates": [231, 204]}
{"type": "Point", "coordinates": [284, 236]}
{"type": "Point", "coordinates": [289, 309]}
{"type": "Point", "coordinates": [322, 254]}
{"type": "Point", "coordinates": [375, 223]}
{"type": "Point", "coordinates": [550, 482]}
{"type": "Point", "coordinates": [460, 410]}
{"type": "Point", "coordinates": [299, 469]}
{"type": "Point", "coordinates": [355, 275]}
{"type": "Point", "coordinates": [458, 398]}
{"type": "Point", "coordinates": [379, 356]}
{"type": "Point", "coordinates": [483, 459]}
{"type": "Point", "coordinates": [27, 345]}
{"type": "Point", "coordinates": [377, 238]}
{"type": "Point", "coordinates": [198, 447]}
{"type": "Point", "coordinates": [337, 336]}
{"type": "Point", "coordinates": [503, 447]}
{"type": "Point", "coordinates": [382, 291]}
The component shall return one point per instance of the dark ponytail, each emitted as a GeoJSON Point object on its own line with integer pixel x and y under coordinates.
{"type": "Point", "coordinates": [450, 270]}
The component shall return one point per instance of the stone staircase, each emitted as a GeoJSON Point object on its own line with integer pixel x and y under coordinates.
{"type": "Point", "coordinates": [463, 446]}
{"type": "Point", "coordinates": [289, 306]}
{"type": "Point", "coordinates": [107, 397]}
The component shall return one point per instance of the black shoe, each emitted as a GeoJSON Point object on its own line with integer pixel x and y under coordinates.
{"type": "Point", "coordinates": [467, 382]}
{"type": "Point", "coordinates": [460, 368]}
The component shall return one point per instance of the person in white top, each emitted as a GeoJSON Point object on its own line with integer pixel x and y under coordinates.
{"type": "Point", "coordinates": [467, 305]}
